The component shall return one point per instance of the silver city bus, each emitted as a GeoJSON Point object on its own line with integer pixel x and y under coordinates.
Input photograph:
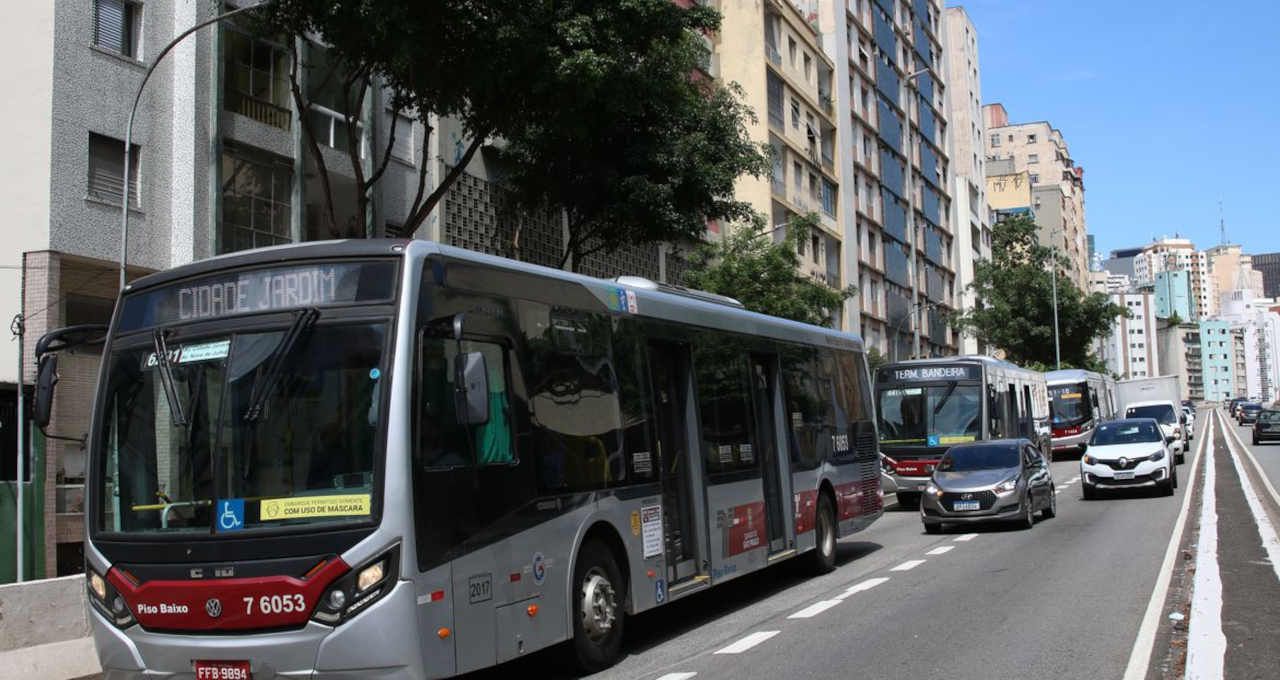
{"type": "Point", "coordinates": [925, 406]}
{"type": "Point", "coordinates": [400, 459]}
{"type": "Point", "coordinates": [1078, 401]}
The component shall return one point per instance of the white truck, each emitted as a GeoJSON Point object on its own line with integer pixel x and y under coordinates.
{"type": "Point", "coordinates": [1158, 397]}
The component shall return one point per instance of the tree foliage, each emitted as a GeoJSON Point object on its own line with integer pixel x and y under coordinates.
{"type": "Point", "coordinates": [1016, 290]}
{"type": "Point", "coordinates": [596, 105]}
{"type": "Point", "coordinates": [764, 275]}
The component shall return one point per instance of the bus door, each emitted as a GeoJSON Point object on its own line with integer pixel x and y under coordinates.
{"type": "Point", "coordinates": [668, 371]}
{"type": "Point", "coordinates": [763, 391]}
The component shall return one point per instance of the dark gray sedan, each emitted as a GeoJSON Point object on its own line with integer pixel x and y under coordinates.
{"type": "Point", "coordinates": [1006, 479]}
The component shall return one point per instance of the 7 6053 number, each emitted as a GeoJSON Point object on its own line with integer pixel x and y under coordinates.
{"type": "Point", "coordinates": [275, 604]}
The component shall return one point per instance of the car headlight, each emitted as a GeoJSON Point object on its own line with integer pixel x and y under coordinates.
{"type": "Point", "coordinates": [1007, 485]}
{"type": "Point", "coordinates": [1089, 460]}
{"type": "Point", "coordinates": [933, 490]}
{"type": "Point", "coordinates": [1158, 455]}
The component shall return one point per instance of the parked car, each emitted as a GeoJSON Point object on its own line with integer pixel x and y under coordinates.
{"type": "Point", "coordinates": [1248, 412]}
{"type": "Point", "coordinates": [1126, 454]}
{"type": "Point", "coordinates": [1189, 413]}
{"type": "Point", "coordinates": [1003, 479]}
{"type": "Point", "coordinates": [1266, 426]}
{"type": "Point", "coordinates": [1170, 420]}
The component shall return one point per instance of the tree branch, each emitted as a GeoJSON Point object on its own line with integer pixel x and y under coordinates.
{"type": "Point", "coordinates": [422, 169]}
{"type": "Point", "coordinates": [416, 218]}
{"type": "Point", "coordinates": [386, 156]}
{"type": "Point", "coordinates": [359, 81]}
{"type": "Point", "coordinates": [300, 103]}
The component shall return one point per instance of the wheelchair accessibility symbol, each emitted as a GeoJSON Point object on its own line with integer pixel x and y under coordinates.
{"type": "Point", "coordinates": [231, 514]}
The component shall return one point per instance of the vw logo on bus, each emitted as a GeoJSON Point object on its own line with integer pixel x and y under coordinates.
{"type": "Point", "coordinates": [213, 607]}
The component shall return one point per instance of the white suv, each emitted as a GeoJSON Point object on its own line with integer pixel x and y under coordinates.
{"type": "Point", "coordinates": [1167, 414]}
{"type": "Point", "coordinates": [1127, 454]}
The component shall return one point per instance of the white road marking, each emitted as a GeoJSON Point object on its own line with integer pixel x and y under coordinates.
{"type": "Point", "coordinates": [1266, 530]}
{"type": "Point", "coordinates": [859, 587]}
{"type": "Point", "coordinates": [1140, 656]}
{"type": "Point", "coordinates": [1206, 643]}
{"type": "Point", "coordinates": [678, 676]}
{"type": "Point", "coordinates": [815, 609]}
{"type": "Point", "coordinates": [1058, 491]}
{"type": "Point", "coordinates": [908, 565]}
{"type": "Point", "coordinates": [966, 537]}
{"type": "Point", "coordinates": [1069, 482]}
{"type": "Point", "coordinates": [941, 550]}
{"type": "Point", "coordinates": [748, 642]}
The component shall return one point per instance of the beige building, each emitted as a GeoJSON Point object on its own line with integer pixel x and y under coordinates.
{"type": "Point", "coordinates": [1057, 182]}
{"type": "Point", "coordinates": [772, 50]}
{"type": "Point", "coordinates": [970, 216]}
{"type": "Point", "coordinates": [1008, 190]}
{"type": "Point", "coordinates": [1231, 269]}
{"type": "Point", "coordinates": [1179, 254]}
{"type": "Point", "coordinates": [894, 168]}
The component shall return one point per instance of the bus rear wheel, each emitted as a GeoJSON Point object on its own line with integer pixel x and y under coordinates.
{"type": "Point", "coordinates": [823, 558]}
{"type": "Point", "coordinates": [598, 594]}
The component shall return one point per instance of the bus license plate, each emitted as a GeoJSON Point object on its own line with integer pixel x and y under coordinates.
{"type": "Point", "coordinates": [1124, 475]}
{"type": "Point", "coordinates": [959, 506]}
{"type": "Point", "coordinates": [222, 670]}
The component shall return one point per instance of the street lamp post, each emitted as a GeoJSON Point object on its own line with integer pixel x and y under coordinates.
{"type": "Point", "coordinates": [128, 129]}
{"type": "Point", "coordinates": [897, 328]}
{"type": "Point", "coordinates": [908, 86]}
{"type": "Point", "coordinates": [1053, 267]}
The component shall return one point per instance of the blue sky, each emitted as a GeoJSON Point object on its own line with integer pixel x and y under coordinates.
{"type": "Point", "coordinates": [1170, 107]}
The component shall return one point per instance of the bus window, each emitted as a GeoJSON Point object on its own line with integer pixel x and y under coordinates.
{"type": "Point", "coordinates": [634, 402]}
{"type": "Point", "coordinates": [720, 370]}
{"type": "Point", "coordinates": [445, 443]}
{"type": "Point", "coordinates": [804, 410]}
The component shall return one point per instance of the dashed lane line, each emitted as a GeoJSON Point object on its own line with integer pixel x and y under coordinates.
{"type": "Point", "coordinates": [678, 676]}
{"type": "Point", "coordinates": [815, 609]}
{"type": "Point", "coordinates": [1206, 643]}
{"type": "Point", "coordinates": [863, 586]}
{"type": "Point", "coordinates": [748, 642]}
{"type": "Point", "coordinates": [1266, 530]}
{"type": "Point", "coordinates": [966, 537]}
{"type": "Point", "coordinates": [941, 550]}
{"type": "Point", "coordinates": [908, 565]}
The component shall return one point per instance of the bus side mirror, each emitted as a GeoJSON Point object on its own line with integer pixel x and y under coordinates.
{"type": "Point", "coordinates": [46, 379]}
{"type": "Point", "coordinates": [471, 382]}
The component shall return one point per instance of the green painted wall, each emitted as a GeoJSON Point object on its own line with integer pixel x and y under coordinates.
{"type": "Point", "coordinates": [34, 518]}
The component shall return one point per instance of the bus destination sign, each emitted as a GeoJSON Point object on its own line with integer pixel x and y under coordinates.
{"type": "Point", "coordinates": [260, 290]}
{"type": "Point", "coordinates": [931, 373]}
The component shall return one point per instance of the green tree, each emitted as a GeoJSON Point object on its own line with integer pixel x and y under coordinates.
{"type": "Point", "coordinates": [1016, 288]}
{"type": "Point", "coordinates": [593, 106]}
{"type": "Point", "coordinates": [764, 275]}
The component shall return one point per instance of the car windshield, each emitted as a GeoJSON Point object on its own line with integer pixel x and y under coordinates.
{"type": "Point", "coordinates": [1126, 432]}
{"type": "Point", "coordinates": [1161, 412]}
{"type": "Point", "coordinates": [935, 415]}
{"type": "Point", "coordinates": [248, 451]}
{"type": "Point", "coordinates": [970, 458]}
{"type": "Point", "coordinates": [1251, 407]}
{"type": "Point", "coordinates": [1069, 404]}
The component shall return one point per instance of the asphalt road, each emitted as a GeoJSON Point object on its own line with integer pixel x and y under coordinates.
{"type": "Point", "coordinates": [1061, 600]}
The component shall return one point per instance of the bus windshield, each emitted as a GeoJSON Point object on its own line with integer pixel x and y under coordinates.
{"type": "Point", "coordinates": [239, 449]}
{"type": "Point", "coordinates": [933, 415]}
{"type": "Point", "coordinates": [1069, 404]}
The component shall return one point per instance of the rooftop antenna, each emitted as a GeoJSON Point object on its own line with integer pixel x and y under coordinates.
{"type": "Point", "coordinates": [1222, 225]}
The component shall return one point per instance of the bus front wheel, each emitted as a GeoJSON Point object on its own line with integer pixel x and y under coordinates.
{"type": "Point", "coordinates": [598, 595]}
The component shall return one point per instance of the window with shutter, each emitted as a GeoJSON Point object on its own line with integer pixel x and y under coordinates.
{"type": "Point", "coordinates": [113, 25]}
{"type": "Point", "coordinates": [106, 169]}
{"type": "Point", "coordinates": [403, 146]}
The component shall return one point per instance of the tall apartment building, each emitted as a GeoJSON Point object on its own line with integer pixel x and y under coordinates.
{"type": "Point", "coordinates": [1269, 265]}
{"type": "Point", "coordinates": [221, 161]}
{"type": "Point", "coordinates": [970, 216]}
{"type": "Point", "coordinates": [1173, 295]}
{"type": "Point", "coordinates": [1132, 348]}
{"type": "Point", "coordinates": [1232, 270]}
{"type": "Point", "coordinates": [891, 117]}
{"type": "Point", "coordinates": [772, 50]}
{"type": "Point", "coordinates": [1218, 353]}
{"type": "Point", "coordinates": [1057, 183]}
{"type": "Point", "coordinates": [1008, 190]}
{"type": "Point", "coordinates": [1180, 354]}
{"type": "Point", "coordinates": [1179, 254]}
{"type": "Point", "coordinates": [1260, 328]}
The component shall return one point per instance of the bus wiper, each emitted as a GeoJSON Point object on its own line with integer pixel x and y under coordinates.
{"type": "Point", "coordinates": [267, 381]}
{"type": "Point", "coordinates": [165, 369]}
{"type": "Point", "coordinates": [943, 402]}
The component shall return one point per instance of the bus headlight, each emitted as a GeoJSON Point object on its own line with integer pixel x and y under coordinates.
{"type": "Point", "coordinates": [108, 602]}
{"type": "Point", "coordinates": [358, 588]}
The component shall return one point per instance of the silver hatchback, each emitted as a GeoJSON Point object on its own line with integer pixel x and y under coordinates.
{"type": "Point", "coordinates": [1006, 479]}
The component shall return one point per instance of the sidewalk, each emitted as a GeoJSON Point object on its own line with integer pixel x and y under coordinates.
{"type": "Point", "coordinates": [55, 661]}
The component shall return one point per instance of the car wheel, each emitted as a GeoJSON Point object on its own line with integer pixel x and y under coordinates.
{"type": "Point", "coordinates": [1051, 510]}
{"type": "Point", "coordinates": [933, 527]}
{"type": "Point", "coordinates": [599, 590]}
{"type": "Point", "coordinates": [908, 499]}
{"type": "Point", "coordinates": [1255, 440]}
{"type": "Point", "coordinates": [1180, 458]}
{"type": "Point", "coordinates": [1173, 475]}
{"type": "Point", "coordinates": [1028, 519]}
{"type": "Point", "coordinates": [1089, 492]}
{"type": "Point", "coordinates": [823, 558]}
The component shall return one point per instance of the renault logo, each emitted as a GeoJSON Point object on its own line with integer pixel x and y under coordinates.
{"type": "Point", "coordinates": [213, 607]}
{"type": "Point", "coordinates": [1124, 462]}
